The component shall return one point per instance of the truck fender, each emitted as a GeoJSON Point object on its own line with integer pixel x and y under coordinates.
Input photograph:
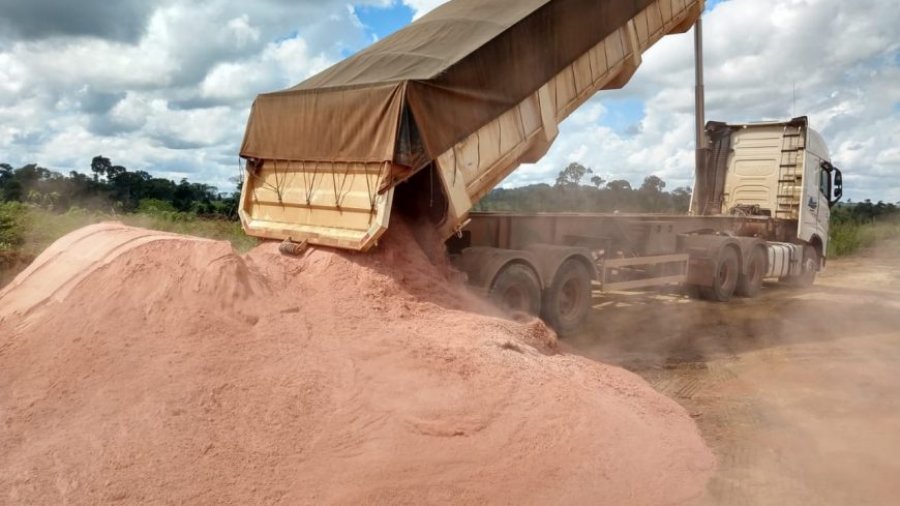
{"type": "Point", "coordinates": [703, 251]}
{"type": "Point", "coordinates": [482, 264]}
{"type": "Point", "coordinates": [550, 258]}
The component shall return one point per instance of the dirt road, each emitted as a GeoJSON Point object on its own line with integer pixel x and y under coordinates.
{"type": "Point", "coordinates": [797, 392]}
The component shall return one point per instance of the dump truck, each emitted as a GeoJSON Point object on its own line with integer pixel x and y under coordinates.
{"type": "Point", "coordinates": [429, 120]}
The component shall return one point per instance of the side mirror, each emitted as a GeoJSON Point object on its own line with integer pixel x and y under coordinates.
{"type": "Point", "coordinates": [838, 186]}
{"type": "Point", "coordinates": [836, 183]}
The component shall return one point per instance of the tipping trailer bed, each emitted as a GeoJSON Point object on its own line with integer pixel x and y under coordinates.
{"type": "Point", "coordinates": [465, 94]}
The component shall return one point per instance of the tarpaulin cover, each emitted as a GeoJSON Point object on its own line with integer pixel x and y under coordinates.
{"type": "Point", "coordinates": [413, 95]}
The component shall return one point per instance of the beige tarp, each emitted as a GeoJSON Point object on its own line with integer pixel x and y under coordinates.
{"type": "Point", "coordinates": [413, 95]}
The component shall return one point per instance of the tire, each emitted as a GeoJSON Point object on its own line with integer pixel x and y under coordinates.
{"type": "Point", "coordinates": [751, 282]}
{"type": "Point", "coordinates": [725, 276]}
{"type": "Point", "coordinates": [517, 289]}
{"type": "Point", "coordinates": [569, 300]}
{"type": "Point", "coordinates": [810, 269]}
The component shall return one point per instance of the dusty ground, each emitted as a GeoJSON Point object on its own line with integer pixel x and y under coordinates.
{"type": "Point", "coordinates": [797, 392]}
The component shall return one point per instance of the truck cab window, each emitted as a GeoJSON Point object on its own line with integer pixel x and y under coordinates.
{"type": "Point", "coordinates": [824, 182]}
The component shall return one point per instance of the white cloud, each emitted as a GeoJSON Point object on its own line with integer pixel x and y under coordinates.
{"type": "Point", "coordinates": [285, 61]}
{"type": "Point", "coordinates": [99, 63]}
{"type": "Point", "coordinates": [843, 59]}
{"type": "Point", "coordinates": [12, 77]}
{"type": "Point", "coordinates": [422, 7]}
{"type": "Point", "coordinates": [173, 93]}
{"type": "Point", "coordinates": [173, 98]}
{"type": "Point", "coordinates": [242, 32]}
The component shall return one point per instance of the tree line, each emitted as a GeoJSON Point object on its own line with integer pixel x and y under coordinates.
{"type": "Point", "coordinates": [110, 187]}
{"type": "Point", "coordinates": [579, 189]}
{"type": "Point", "coordinates": [865, 212]}
{"type": "Point", "coordinates": [113, 188]}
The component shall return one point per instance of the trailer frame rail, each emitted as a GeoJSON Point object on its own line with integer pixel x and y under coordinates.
{"type": "Point", "coordinates": [605, 266]}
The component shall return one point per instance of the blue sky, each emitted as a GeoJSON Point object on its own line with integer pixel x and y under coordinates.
{"type": "Point", "coordinates": [383, 21]}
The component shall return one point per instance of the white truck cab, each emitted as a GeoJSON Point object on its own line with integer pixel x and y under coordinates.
{"type": "Point", "coordinates": [779, 170]}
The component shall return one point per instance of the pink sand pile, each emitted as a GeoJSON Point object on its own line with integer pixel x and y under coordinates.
{"type": "Point", "coordinates": [140, 367]}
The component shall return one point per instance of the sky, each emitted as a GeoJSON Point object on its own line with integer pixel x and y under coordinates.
{"type": "Point", "coordinates": [166, 85]}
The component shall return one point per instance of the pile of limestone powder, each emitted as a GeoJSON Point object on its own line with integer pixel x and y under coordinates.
{"type": "Point", "coordinates": [143, 368]}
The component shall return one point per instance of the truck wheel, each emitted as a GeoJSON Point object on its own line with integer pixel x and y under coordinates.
{"type": "Point", "coordinates": [751, 282]}
{"type": "Point", "coordinates": [570, 298]}
{"type": "Point", "coordinates": [810, 269]}
{"type": "Point", "coordinates": [726, 274]}
{"type": "Point", "coordinates": [517, 288]}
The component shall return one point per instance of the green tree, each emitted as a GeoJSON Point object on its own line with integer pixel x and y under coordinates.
{"type": "Point", "coordinates": [109, 186]}
{"type": "Point", "coordinates": [572, 175]}
{"type": "Point", "coordinates": [653, 184]}
{"type": "Point", "coordinates": [681, 199]}
{"type": "Point", "coordinates": [10, 187]}
{"type": "Point", "coordinates": [99, 166]}
{"type": "Point", "coordinates": [651, 194]}
{"type": "Point", "coordinates": [619, 185]}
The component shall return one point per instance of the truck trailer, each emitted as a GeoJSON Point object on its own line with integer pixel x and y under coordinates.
{"type": "Point", "coordinates": [761, 209]}
{"type": "Point", "coordinates": [428, 121]}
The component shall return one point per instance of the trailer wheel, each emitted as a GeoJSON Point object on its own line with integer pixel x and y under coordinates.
{"type": "Point", "coordinates": [570, 298]}
{"type": "Point", "coordinates": [517, 289]}
{"type": "Point", "coordinates": [726, 275]}
{"type": "Point", "coordinates": [751, 282]}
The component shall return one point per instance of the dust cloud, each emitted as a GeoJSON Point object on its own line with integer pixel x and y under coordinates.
{"type": "Point", "coordinates": [797, 392]}
{"type": "Point", "coordinates": [141, 367]}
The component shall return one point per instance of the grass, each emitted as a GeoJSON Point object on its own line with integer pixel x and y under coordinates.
{"type": "Point", "coordinates": [26, 231]}
{"type": "Point", "coordinates": [848, 238]}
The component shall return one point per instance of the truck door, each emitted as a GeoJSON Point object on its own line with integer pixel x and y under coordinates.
{"type": "Point", "coordinates": [815, 210]}
{"type": "Point", "coordinates": [815, 213]}
{"type": "Point", "coordinates": [824, 208]}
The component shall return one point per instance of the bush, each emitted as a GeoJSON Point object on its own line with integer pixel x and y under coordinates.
{"type": "Point", "coordinates": [12, 226]}
{"type": "Point", "coordinates": [845, 239]}
{"type": "Point", "coordinates": [155, 206]}
{"type": "Point", "coordinates": [27, 230]}
{"type": "Point", "coordinates": [12, 239]}
{"type": "Point", "coordinates": [849, 237]}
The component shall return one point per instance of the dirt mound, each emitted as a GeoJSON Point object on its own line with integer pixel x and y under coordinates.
{"type": "Point", "coordinates": [150, 368]}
